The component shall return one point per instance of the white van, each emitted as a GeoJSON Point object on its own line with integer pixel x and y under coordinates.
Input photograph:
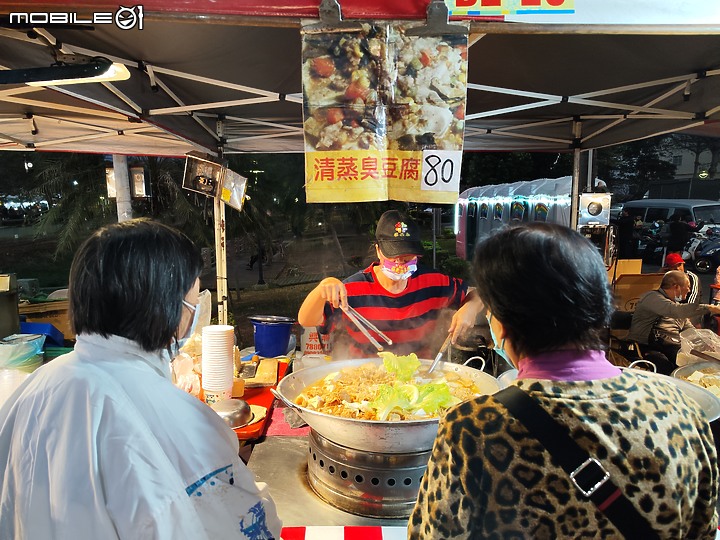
{"type": "Point", "coordinates": [697, 210]}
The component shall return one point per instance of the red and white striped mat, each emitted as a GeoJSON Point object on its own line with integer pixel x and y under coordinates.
{"type": "Point", "coordinates": [344, 533]}
{"type": "Point", "coordinates": [352, 533]}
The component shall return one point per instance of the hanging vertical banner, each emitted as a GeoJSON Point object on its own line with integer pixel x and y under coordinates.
{"type": "Point", "coordinates": [110, 182]}
{"type": "Point", "coordinates": [138, 186]}
{"type": "Point", "coordinates": [383, 114]}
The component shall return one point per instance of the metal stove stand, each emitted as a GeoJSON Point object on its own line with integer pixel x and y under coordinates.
{"type": "Point", "coordinates": [281, 462]}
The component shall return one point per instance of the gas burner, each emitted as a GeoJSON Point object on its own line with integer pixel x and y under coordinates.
{"type": "Point", "coordinates": [365, 483]}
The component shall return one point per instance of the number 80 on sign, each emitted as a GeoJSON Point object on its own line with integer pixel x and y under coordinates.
{"type": "Point", "coordinates": [441, 170]}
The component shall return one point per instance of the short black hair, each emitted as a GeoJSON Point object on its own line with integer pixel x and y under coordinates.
{"type": "Point", "coordinates": [129, 279]}
{"type": "Point", "coordinates": [547, 284]}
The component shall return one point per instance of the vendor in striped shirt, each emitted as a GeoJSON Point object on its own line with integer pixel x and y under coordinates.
{"type": "Point", "coordinates": [405, 300]}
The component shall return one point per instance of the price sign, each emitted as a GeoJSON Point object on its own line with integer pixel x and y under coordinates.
{"type": "Point", "coordinates": [441, 170]}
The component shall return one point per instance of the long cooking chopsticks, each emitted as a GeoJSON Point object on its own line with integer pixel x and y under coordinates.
{"type": "Point", "coordinates": [363, 325]}
{"type": "Point", "coordinates": [443, 348]}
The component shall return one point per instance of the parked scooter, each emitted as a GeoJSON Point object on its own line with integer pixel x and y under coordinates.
{"type": "Point", "coordinates": [690, 250]}
{"type": "Point", "coordinates": [651, 244]}
{"type": "Point", "coordinates": [707, 255]}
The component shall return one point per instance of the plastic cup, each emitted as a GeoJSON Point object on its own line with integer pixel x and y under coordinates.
{"type": "Point", "coordinates": [218, 342]}
{"type": "Point", "coordinates": [215, 397]}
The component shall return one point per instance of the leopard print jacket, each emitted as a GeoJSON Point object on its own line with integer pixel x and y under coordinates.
{"type": "Point", "coordinates": [487, 478]}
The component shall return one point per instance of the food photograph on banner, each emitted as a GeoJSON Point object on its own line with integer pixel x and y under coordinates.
{"type": "Point", "coordinates": [383, 113]}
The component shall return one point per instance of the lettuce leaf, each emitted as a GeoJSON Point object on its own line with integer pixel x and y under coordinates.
{"type": "Point", "coordinates": [434, 397]}
{"type": "Point", "coordinates": [395, 396]}
{"type": "Point", "coordinates": [407, 399]}
{"type": "Point", "coordinates": [402, 366]}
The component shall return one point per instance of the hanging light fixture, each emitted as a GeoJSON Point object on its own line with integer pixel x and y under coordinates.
{"type": "Point", "coordinates": [87, 70]}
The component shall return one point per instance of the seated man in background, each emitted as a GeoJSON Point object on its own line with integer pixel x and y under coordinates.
{"type": "Point", "coordinates": [674, 261]}
{"type": "Point", "coordinates": [660, 317]}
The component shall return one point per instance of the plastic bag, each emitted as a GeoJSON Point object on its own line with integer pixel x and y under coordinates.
{"type": "Point", "coordinates": [205, 303]}
{"type": "Point", "coordinates": [22, 351]}
{"type": "Point", "coordinates": [184, 376]}
{"type": "Point", "coordinates": [702, 340]}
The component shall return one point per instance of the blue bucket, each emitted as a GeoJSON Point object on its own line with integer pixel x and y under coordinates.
{"type": "Point", "coordinates": [271, 334]}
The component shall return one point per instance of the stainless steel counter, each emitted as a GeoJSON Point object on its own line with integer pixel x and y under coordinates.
{"type": "Point", "coordinates": [281, 462]}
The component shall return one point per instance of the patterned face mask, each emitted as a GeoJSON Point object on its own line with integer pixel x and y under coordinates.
{"type": "Point", "coordinates": [398, 271]}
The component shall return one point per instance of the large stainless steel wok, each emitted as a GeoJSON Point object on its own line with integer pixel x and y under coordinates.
{"type": "Point", "coordinates": [373, 436]}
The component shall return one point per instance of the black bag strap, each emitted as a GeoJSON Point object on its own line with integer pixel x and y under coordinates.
{"type": "Point", "coordinates": [586, 472]}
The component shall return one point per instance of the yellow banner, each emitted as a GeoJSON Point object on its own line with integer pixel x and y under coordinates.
{"type": "Point", "coordinates": [370, 175]}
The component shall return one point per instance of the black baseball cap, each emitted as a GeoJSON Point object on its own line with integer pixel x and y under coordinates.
{"type": "Point", "coordinates": [397, 234]}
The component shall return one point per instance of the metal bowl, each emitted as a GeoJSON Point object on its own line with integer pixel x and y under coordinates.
{"type": "Point", "coordinates": [506, 378]}
{"type": "Point", "coordinates": [235, 412]}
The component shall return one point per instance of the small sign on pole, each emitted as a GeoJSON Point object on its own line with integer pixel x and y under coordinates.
{"type": "Point", "coordinates": [110, 182]}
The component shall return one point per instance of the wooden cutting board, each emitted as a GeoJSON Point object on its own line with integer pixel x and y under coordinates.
{"type": "Point", "coordinates": [266, 375]}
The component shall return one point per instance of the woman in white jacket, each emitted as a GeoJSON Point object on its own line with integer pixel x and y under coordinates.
{"type": "Point", "coordinates": [99, 444]}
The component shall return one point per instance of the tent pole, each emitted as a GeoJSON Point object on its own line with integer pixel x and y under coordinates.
{"type": "Point", "coordinates": [575, 190]}
{"type": "Point", "coordinates": [590, 178]}
{"type": "Point", "coordinates": [220, 260]}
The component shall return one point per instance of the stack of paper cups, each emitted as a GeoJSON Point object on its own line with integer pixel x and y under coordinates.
{"type": "Point", "coordinates": [217, 362]}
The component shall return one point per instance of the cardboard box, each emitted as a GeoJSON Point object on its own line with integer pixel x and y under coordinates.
{"type": "Point", "coordinates": [55, 313]}
{"type": "Point", "coordinates": [624, 266]}
{"type": "Point", "coordinates": [630, 287]}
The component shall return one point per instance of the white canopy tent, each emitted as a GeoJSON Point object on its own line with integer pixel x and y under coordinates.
{"type": "Point", "coordinates": [227, 78]}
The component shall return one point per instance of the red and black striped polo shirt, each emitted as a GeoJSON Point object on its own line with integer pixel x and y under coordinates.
{"type": "Point", "coordinates": [416, 319]}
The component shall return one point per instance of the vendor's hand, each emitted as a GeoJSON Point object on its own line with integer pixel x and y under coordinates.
{"type": "Point", "coordinates": [715, 310]}
{"type": "Point", "coordinates": [465, 318]}
{"type": "Point", "coordinates": [333, 290]}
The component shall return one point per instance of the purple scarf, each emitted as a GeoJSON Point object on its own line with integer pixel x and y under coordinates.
{"type": "Point", "coordinates": [572, 365]}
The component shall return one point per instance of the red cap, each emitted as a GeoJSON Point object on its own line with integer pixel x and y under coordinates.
{"type": "Point", "coordinates": [673, 258]}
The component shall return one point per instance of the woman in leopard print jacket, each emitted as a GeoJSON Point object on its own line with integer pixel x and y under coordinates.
{"type": "Point", "coordinates": [548, 303]}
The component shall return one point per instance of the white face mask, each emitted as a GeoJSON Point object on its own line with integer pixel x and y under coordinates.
{"type": "Point", "coordinates": [191, 329]}
{"type": "Point", "coordinates": [172, 351]}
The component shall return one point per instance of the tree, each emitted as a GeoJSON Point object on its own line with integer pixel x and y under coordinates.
{"type": "Point", "coordinates": [697, 145]}
{"type": "Point", "coordinates": [170, 203]}
{"type": "Point", "coordinates": [633, 167]}
{"type": "Point", "coordinates": [74, 186]}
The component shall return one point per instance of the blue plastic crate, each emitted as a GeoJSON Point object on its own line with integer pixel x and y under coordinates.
{"type": "Point", "coordinates": [53, 335]}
